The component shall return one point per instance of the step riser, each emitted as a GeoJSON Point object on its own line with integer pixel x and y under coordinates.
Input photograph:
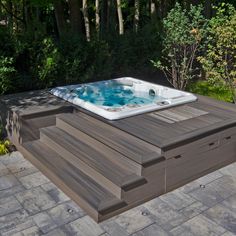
{"type": "Point", "coordinates": [100, 179]}
{"type": "Point", "coordinates": [124, 162]}
{"type": "Point", "coordinates": [155, 186]}
{"type": "Point", "coordinates": [129, 206]}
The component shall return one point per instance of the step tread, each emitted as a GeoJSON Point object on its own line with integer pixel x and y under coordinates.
{"type": "Point", "coordinates": [86, 188]}
{"type": "Point", "coordinates": [95, 155]}
{"type": "Point", "coordinates": [127, 144]}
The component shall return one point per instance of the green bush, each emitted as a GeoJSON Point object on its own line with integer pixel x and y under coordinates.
{"type": "Point", "coordinates": [81, 61]}
{"type": "Point", "coordinates": [3, 144]}
{"type": "Point", "coordinates": [4, 147]}
{"type": "Point", "coordinates": [7, 71]}
{"type": "Point", "coordinates": [219, 61]}
{"type": "Point", "coordinates": [99, 61]}
{"type": "Point", "coordinates": [183, 33]}
{"type": "Point", "coordinates": [206, 88]}
{"type": "Point", "coordinates": [47, 63]}
{"type": "Point", "coordinates": [132, 51]}
{"type": "Point", "coordinates": [6, 43]}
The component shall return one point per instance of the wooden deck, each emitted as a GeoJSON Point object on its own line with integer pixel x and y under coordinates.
{"type": "Point", "coordinates": [110, 166]}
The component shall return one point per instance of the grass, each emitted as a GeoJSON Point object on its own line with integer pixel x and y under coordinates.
{"type": "Point", "coordinates": [219, 92]}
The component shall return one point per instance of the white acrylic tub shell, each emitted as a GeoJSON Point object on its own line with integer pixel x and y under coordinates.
{"type": "Point", "coordinates": [171, 97]}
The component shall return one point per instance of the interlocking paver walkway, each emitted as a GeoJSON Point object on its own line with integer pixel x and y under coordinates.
{"type": "Point", "coordinates": [32, 205]}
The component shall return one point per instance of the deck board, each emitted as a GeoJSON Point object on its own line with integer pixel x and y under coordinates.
{"type": "Point", "coordinates": [128, 145]}
{"type": "Point", "coordinates": [162, 134]}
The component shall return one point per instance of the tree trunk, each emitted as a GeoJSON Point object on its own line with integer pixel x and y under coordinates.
{"type": "Point", "coordinates": [109, 5]}
{"type": "Point", "coordinates": [97, 15]}
{"type": "Point", "coordinates": [103, 18]}
{"type": "Point", "coordinates": [120, 17]}
{"type": "Point", "coordinates": [60, 17]}
{"type": "Point", "coordinates": [162, 8]}
{"type": "Point", "coordinates": [75, 16]}
{"type": "Point", "coordinates": [153, 10]}
{"type": "Point", "coordinates": [37, 14]}
{"type": "Point", "coordinates": [16, 22]}
{"type": "Point", "coordinates": [136, 14]}
{"type": "Point", "coordinates": [207, 8]}
{"type": "Point", "coordinates": [9, 17]}
{"type": "Point", "coordinates": [111, 16]}
{"type": "Point", "coordinates": [26, 14]}
{"type": "Point", "coordinates": [86, 20]}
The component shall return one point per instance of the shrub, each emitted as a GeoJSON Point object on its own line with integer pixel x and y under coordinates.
{"type": "Point", "coordinates": [3, 144]}
{"type": "Point", "coordinates": [183, 32]}
{"type": "Point", "coordinates": [48, 62]}
{"type": "Point", "coordinates": [4, 147]}
{"type": "Point", "coordinates": [219, 62]}
{"type": "Point", "coordinates": [99, 62]}
{"type": "Point", "coordinates": [132, 51]}
{"type": "Point", "coordinates": [6, 74]}
{"type": "Point", "coordinates": [81, 60]}
{"type": "Point", "coordinates": [6, 42]}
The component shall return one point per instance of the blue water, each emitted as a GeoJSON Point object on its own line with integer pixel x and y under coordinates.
{"type": "Point", "coordinates": [113, 95]}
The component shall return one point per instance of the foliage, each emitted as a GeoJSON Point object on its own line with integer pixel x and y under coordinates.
{"type": "Point", "coordinates": [219, 62]}
{"type": "Point", "coordinates": [4, 147]}
{"type": "Point", "coordinates": [132, 52]}
{"type": "Point", "coordinates": [6, 43]}
{"type": "Point", "coordinates": [6, 74]}
{"type": "Point", "coordinates": [43, 43]}
{"type": "Point", "coordinates": [3, 144]}
{"type": "Point", "coordinates": [80, 60]}
{"type": "Point", "coordinates": [203, 87]}
{"type": "Point", "coordinates": [47, 62]}
{"type": "Point", "coordinates": [183, 33]}
{"type": "Point", "coordinates": [99, 62]}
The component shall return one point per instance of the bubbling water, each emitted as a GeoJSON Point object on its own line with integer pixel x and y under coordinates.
{"type": "Point", "coordinates": [114, 95]}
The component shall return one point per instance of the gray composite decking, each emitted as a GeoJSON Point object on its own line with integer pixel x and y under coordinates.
{"type": "Point", "coordinates": [108, 167]}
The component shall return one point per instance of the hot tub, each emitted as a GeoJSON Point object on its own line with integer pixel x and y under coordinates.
{"type": "Point", "coordinates": [123, 97]}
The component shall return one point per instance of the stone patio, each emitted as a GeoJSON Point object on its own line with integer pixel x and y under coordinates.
{"type": "Point", "coordinates": [31, 205]}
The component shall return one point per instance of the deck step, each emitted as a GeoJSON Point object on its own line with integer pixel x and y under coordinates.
{"type": "Point", "coordinates": [134, 148]}
{"type": "Point", "coordinates": [92, 197]}
{"type": "Point", "coordinates": [93, 158]}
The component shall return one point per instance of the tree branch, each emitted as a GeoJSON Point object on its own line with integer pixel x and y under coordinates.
{"type": "Point", "coordinates": [16, 17]}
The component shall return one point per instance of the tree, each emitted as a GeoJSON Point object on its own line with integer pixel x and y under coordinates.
{"type": "Point", "coordinates": [153, 7]}
{"type": "Point", "coordinates": [183, 33]}
{"type": "Point", "coordinates": [120, 17]}
{"type": "Point", "coordinates": [86, 20]}
{"type": "Point", "coordinates": [75, 16]}
{"type": "Point", "coordinates": [60, 17]}
{"type": "Point", "coordinates": [219, 62]}
{"type": "Point", "coordinates": [136, 14]}
{"type": "Point", "coordinates": [97, 15]}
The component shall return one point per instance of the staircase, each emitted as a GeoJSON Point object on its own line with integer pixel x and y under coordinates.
{"type": "Point", "coordinates": [102, 168]}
